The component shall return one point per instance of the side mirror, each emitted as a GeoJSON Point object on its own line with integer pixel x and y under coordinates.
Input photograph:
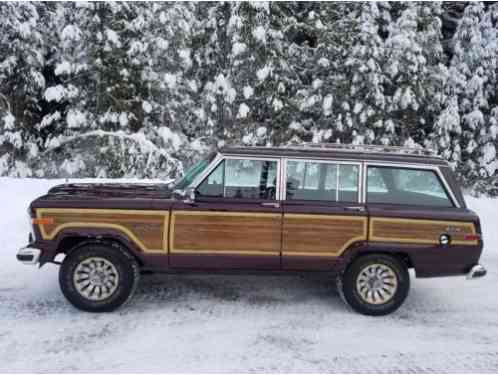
{"type": "Point", "coordinates": [189, 195]}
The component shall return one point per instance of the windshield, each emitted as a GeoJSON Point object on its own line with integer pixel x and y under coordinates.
{"type": "Point", "coordinates": [193, 172]}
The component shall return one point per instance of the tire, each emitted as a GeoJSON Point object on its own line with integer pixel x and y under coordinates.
{"type": "Point", "coordinates": [104, 268]}
{"type": "Point", "coordinates": [375, 284]}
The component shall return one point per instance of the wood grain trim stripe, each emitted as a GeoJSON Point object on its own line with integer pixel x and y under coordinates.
{"type": "Point", "coordinates": [374, 237]}
{"type": "Point", "coordinates": [173, 250]}
{"type": "Point", "coordinates": [50, 236]}
{"type": "Point", "coordinates": [362, 237]}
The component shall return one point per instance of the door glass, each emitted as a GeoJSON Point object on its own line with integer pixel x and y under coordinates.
{"type": "Point", "coordinates": [212, 186]}
{"type": "Point", "coordinates": [405, 186]}
{"type": "Point", "coordinates": [241, 178]}
{"type": "Point", "coordinates": [348, 183]}
{"type": "Point", "coordinates": [322, 181]}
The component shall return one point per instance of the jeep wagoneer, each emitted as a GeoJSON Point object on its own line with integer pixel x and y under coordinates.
{"type": "Point", "coordinates": [365, 215]}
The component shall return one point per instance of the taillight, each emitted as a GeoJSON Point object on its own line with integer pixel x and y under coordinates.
{"type": "Point", "coordinates": [472, 237]}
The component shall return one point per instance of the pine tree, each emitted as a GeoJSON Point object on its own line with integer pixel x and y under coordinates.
{"type": "Point", "coordinates": [21, 83]}
{"type": "Point", "coordinates": [361, 110]}
{"type": "Point", "coordinates": [415, 70]}
{"type": "Point", "coordinates": [472, 83]}
{"type": "Point", "coordinates": [109, 90]}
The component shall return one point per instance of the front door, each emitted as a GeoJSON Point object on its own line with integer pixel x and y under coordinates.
{"type": "Point", "coordinates": [322, 213]}
{"type": "Point", "coordinates": [235, 221]}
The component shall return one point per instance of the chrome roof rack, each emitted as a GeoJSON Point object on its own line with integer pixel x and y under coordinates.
{"type": "Point", "coordinates": [365, 148]}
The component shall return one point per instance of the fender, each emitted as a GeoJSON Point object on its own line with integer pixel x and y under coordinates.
{"type": "Point", "coordinates": [69, 237]}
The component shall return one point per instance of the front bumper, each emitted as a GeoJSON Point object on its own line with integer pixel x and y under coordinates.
{"type": "Point", "coordinates": [476, 272]}
{"type": "Point", "coordinates": [28, 255]}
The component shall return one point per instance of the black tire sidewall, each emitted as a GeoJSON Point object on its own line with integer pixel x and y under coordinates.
{"type": "Point", "coordinates": [125, 265]}
{"type": "Point", "coordinates": [354, 299]}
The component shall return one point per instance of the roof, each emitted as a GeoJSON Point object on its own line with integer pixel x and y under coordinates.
{"type": "Point", "coordinates": [343, 152]}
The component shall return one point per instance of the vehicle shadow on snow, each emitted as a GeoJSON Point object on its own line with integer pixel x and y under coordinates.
{"type": "Point", "coordinates": [189, 291]}
{"type": "Point", "coordinates": [251, 290]}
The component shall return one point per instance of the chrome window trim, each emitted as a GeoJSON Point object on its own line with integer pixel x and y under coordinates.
{"type": "Point", "coordinates": [220, 158]}
{"type": "Point", "coordinates": [324, 161]}
{"type": "Point", "coordinates": [409, 166]}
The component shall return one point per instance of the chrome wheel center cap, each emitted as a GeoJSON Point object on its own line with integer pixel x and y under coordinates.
{"type": "Point", "coordinates": [96, 278]}
{"type": "Point", "coordinates": [376, 284]}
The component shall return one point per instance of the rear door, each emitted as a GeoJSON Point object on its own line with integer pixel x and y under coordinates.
{"type": "Point", "coordinates": [235, 221]}
{"type": "Point", "coordinates": [323, 215]}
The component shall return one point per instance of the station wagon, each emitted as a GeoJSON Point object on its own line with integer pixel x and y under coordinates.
{"type": "Point", "coordinates": [365, 215]}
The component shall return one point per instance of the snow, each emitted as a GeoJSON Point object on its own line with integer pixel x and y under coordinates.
{"type": "Point", "coordinates": [169, 137]}
{"type": "Point", "coordinates": [294, 125]}
{"type": "Point", "coordinates": [170, 80]}
{"type": "Point", "coordinates": [123, 119]}
{"type": "Point", "coordinates": [75, 118]}
{"type": "Point", "coordinates": [62, 68]}
{"type": "Point", "coordinates": [261, 131]}
{"type": "Point", "coordinates": [248, 92]}
{"type": "Point", "coordinates": [263, 73]}
{"type": "Point", "coordinates": [223, 85]}
{"type": "Point", "coordinates": [243, 111]}
{"type": "Point", "coordinates": [71, 32]}
{"type": "Point", "coordinates": [9, 121]}
{"type": "Point", "coordinates": [277, 105]}
{"type": "Point", "coordinates": [113, 37]}
{"type": "Point", "coordinates": [324, 62]}
{"type": "Point", "coordinates": [327, 105]}
{"type": "Point", "coordinates": [185, 56]}
{"type": "Point", "coordinates": [54, 93]}
{"type": "Point", "coordinates": [146, 106]}
{"type": "Point", "coordinates": [259, 33]}
{"type": "Point", "coordinates": [238, 48]}
{"type": "Point", "coordinates": [208, 323]}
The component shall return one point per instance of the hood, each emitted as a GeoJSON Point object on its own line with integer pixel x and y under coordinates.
{"type": "Point", "coordinates": [111, 190]}
{"type": "Point", "coordinates": [107, 195]}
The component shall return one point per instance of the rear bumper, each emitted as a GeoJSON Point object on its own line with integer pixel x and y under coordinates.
{"type": "Point", "coordinates": [29, 255]}
{"type": "Point", "coordinates": [477, 271]}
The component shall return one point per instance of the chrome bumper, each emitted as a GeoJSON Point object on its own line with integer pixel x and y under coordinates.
{"type": "Point", "coordinates": [476, 272]}
{"type": "Point", "coordinates": [28, 255]}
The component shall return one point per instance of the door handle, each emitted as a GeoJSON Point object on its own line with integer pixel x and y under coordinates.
{"type": "Point", "coordinates": [355, 208]}
{"type": "Point", "coordinates": [271, 204]}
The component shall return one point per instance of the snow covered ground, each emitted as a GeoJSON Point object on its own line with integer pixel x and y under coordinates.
{"type": "Point", "coordinates": [240, 323]}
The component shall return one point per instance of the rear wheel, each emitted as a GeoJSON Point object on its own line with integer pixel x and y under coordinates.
{"type": "Point", "coordinates": [98, 277]}
{"type": "Point", "coordinates": [375, 284]}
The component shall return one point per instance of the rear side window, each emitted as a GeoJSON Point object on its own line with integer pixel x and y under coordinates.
{"type": "Point", "coordinates": [409, 186]}
{"type": "Point", "coordinates": [241, 178]}
{"type": "Point", "coordinates": [321, 181]}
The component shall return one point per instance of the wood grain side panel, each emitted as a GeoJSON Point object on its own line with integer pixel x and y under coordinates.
{"type": "Point", "coordinates": [148, 229]}
{"type": "Point", "coordinates": [420, 231]}
{"type": "Point", "coordinates": [225, 233]}
{"type": "Point", "coordinates": [321, 235]}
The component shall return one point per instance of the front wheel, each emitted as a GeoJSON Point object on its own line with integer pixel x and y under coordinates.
{"type": "Point", "coordinates": [98, 277]}
{"type": "Point", "coordinates": [375, 284]}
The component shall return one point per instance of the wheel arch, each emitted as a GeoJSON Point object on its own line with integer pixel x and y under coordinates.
{"type": "Point", "coordinates": [404, 256]}
{"type": "Point", "coordinates": [68, 242]}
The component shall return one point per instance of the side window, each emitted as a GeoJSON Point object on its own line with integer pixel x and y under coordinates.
{"type": "Point", "coordinates": [348, 183]}
{"type": "Point", "coordinates": [321, 181]}
{"type": "Point", "coordinates": [212, 186]}
{"type": "Point", "coordinates": [241, 178]}
{"type": "Point", "coordinates": [419, 187]}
